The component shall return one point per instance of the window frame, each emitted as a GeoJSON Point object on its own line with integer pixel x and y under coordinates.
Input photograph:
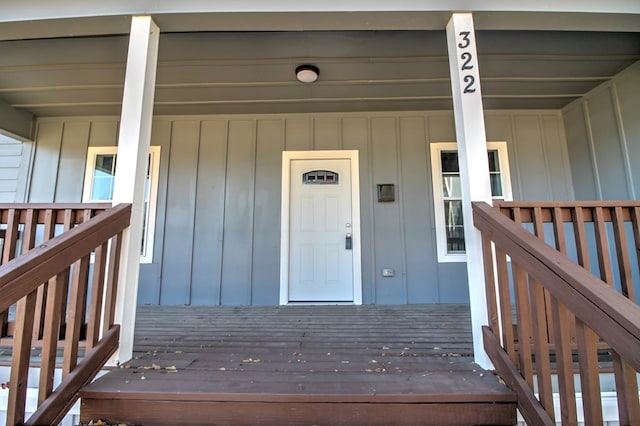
{"type": "Point", "coordinates": [438, 194]}
{"type": "Point", "coordinates": [146, 255]}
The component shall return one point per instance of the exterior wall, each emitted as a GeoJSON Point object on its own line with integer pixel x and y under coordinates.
{"type": "Point", "coordinates": [217, 230]}
{"type": "Point", "coordinates": [12, 175]}
{"type": "Point", "coordinates": [603, 139]}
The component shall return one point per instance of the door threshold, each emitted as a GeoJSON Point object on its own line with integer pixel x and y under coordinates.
{"type": "Point", "coordinates": [307, 303]}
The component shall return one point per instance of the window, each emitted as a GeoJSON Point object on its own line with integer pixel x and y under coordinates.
{"type": "Point", "coordinates": [447, 194]}
{"type": "Point", "coordinates": [99, 178]}
{"type": "Point", "coordinates": [320, 177]}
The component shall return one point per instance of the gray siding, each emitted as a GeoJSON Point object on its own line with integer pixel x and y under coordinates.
{"type": "Point", "coordinates": [11, 157]}
{"type": "Point", "coordinates": [218, 219]}
{"type": "Point", "coordinates": [603, 139]}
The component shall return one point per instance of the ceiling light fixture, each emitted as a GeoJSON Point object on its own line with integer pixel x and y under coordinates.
{"type": "Point", "coordinates": [307, 73]}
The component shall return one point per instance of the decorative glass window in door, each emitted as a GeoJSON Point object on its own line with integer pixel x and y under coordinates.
{"type": "Point", "coordinates": [320, 177]}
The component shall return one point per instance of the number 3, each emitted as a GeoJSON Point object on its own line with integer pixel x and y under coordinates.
{"type": "Point", "coordinates": [465, 39]}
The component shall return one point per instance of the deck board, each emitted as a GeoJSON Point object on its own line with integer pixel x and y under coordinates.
{"type": "Point", "coordinates": [297, 358]}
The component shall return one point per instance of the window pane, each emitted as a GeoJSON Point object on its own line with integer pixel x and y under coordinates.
{"type": "Point", "coordinates": [496, 185]}
{"type": "Point", "coordinates": [451, 186]}
{"type": "Point", "coordinates": [454, 226]}
{"type": "Point", "coordinates": [106, 163]}
{"type": "Point", "coordinates": [449, 161]}
{"type": "Point", "coordinates": [103, 177]}
{"type": "Point", "coordinates": [494, 162]}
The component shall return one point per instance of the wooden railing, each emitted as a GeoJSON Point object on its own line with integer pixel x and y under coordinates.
{"type": "Point", "coordinates": [52, 285]}
{"type": "Point", "coordinates": [549, 314]}
{"type": "Point", "coordinates": [23, 227]}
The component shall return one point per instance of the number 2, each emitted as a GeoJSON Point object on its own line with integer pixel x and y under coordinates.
{"type": "Point", "coordinates": [469, 79]}
{"type": "Point", "coordinates": [466, 57]}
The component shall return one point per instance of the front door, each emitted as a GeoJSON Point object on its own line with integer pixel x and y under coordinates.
{"type": "Point", "coordinates": [321, 238]}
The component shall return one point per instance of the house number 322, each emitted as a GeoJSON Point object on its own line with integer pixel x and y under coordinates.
{"type": "Point", "coordinates": [467, 65]}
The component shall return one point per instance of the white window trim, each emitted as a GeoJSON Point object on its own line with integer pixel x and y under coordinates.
{"type": "Point", "coordinates": [150, 220]}
{"type": "Point", "coordinates": [438, 197]}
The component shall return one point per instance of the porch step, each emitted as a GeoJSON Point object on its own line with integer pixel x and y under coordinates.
{"type": "Point", "coordinates": [199, 397]}
{"type": "Point", "coordinates": [306, 365]}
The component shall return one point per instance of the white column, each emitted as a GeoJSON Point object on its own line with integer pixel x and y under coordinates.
{"type": "Point", "coordinates": [131, 166]}
{"type": "Point", "coordinates": [472, 157]}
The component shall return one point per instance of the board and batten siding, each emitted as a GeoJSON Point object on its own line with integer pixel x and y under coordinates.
{"type": "Point", "coordinates": [603, 139]}
{"type": "Point", "coordinates": [217, 237]}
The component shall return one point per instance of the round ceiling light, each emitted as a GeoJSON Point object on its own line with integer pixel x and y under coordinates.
{"type": "Point", "coordinates": [307, 73]}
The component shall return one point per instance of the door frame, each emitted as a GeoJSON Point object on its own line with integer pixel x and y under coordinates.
{"type": "Point", "coordinates": [287, 157]}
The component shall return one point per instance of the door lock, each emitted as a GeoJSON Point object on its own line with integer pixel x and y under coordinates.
{"type": "Point", "coordinates": [348, 242]}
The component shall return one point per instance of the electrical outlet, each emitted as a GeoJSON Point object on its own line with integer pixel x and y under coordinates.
{"type": "Point", "coordinates": [387, 272]}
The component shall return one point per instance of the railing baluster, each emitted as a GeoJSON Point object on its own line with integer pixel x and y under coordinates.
{"type": "Point", "coordinates": [602, 246]}
{"type": "Point", "coordinates": [564, 362]}
{"type": "Point", "coordinates": [558, 215]}
{"type": "Point", "coordinates": [49, 221]}
{"type": "Point", "coordinates": [624, 264]}
{"type": "Point", "coordinates": [20, 359]}
{"type": "Point", "coordinates": [97, 290]}
{"type": "Point", "coordinates": [8, 253]}
{"type": "Point", "coordinates": [541, 328]}
{"type": "Point", "coordinates": [504, 301]}
{"type": "Point", "coordinates": [68, 223]}
{"type": "Point", "coordinates": [78, 295]}
{"type": "Point", "coordinates": [580, 236]}
{"type": "Point", "coordinates": [589, 374]}
{"type": "Point", "coordinates": [112, 283]}
{"type": "Point", "coordinates": [523, 313]}
{"type": "Point", "coordinates": [489, 279]}
{"type": "Point", "coordinates": [635, 221]}
{"type": "Point", "coordinates": [538, 229]}
{"type": "Point", "coordinates": [51, 333]}
{"type": "Point", "coordinates": [541, 345]}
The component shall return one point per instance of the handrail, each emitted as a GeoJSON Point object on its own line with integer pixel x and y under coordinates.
{"type": "Point", "coordinates": [60, 267]}
{"type": "Point", "coordinates": [546, 284]}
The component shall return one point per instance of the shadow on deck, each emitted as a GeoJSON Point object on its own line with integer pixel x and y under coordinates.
{"type": "Point", "coordinates": [374, 365]}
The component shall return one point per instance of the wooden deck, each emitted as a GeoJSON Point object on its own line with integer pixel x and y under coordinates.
{"type": "Point", "coordinates": [385, 365]}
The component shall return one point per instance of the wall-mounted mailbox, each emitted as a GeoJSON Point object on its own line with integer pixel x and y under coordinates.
{"type": "Point", "coordinates": [386, 192]}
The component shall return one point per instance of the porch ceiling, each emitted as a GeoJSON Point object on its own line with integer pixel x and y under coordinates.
{"type": "Point", "coordinates": [253, 72]}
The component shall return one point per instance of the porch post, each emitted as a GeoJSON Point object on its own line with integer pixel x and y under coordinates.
{"type": "Point", "coordinates": [131, 167]}
{"type": "Point", "coordinates": [472, 158]}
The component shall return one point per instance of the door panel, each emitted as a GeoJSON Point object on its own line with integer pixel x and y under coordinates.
{"type": "Point", "coordinates": [320, 264]}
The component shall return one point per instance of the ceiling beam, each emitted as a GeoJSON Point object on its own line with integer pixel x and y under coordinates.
{"type": "Point", "coordinates": [21, 28]}
{"type": "Point", "coordinates": [17, 123]}
{"type": "Point", "coordinates": [43, 9]}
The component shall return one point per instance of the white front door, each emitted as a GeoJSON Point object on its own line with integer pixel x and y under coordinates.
{"type": "Point", "coordinates": [321, 235]}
